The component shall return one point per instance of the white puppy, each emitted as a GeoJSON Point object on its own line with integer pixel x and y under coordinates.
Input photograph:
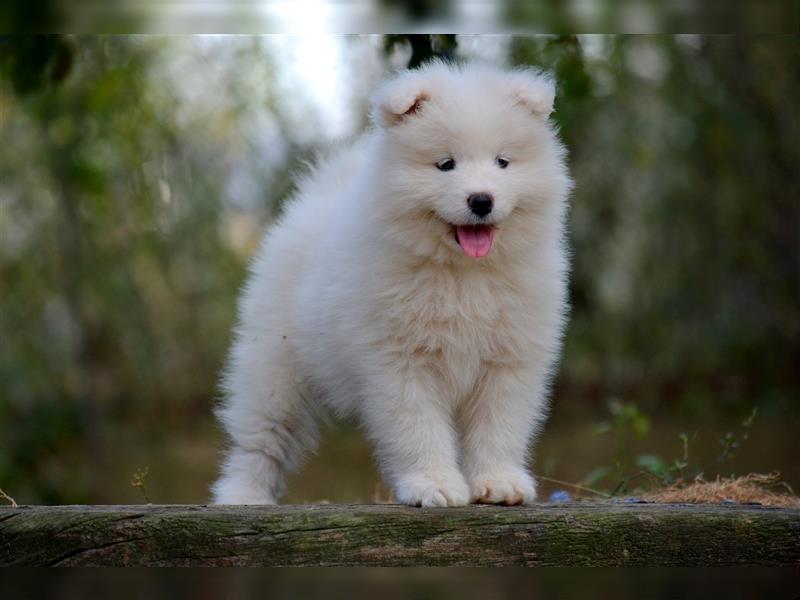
{"type": "Point", "coordinates": [418, 281]}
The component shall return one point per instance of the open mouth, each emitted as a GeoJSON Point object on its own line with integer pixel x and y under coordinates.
{"type": "Point", "coordinates": [475, 240]}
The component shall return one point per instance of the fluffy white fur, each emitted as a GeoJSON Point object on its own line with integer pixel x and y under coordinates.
{"type": "Point", "coordinates": [361, 299]}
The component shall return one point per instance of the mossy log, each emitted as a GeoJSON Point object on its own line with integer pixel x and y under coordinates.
{"type": "Point", "coordinates": [601, 534]}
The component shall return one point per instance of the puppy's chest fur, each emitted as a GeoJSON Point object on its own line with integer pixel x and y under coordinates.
{"type": "Point", "coordinates": [455, 321]}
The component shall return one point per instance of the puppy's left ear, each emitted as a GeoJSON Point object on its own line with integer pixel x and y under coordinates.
{"type": "Point", "coordinates": [399, 99]}
{"type": "Point", "coordinates": [535, 91]}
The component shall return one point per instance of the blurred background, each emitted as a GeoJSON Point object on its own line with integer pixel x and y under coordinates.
{"type": "Point", "coordinates": [137, 174]}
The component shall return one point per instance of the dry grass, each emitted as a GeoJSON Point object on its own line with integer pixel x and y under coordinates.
{"type": "Point", "coordinates": [5, 496]}
{"type": "Point", "coordinates": [752, 488]}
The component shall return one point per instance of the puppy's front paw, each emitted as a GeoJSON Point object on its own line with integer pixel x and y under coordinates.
{"type": "Point", "coordinates": [432, 490]}
{"type": "Point", "coordinates": [503, 487]}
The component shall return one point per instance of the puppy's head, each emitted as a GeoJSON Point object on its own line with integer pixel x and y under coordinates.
{"type": "Point", "coordinates": [467, 150]}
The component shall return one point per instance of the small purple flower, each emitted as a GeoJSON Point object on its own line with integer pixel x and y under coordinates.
{"type": "Point", "coordinates": [560, 496]}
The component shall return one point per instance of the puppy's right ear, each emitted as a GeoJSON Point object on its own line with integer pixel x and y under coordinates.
{"type": "Point", "coordinates": [398, 100]}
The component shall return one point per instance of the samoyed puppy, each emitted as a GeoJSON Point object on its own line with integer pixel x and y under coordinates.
{"type": "Point", "coordinates": [417, 280]}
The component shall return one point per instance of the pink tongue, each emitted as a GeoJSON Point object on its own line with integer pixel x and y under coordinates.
{"type": "Point", "coordinates": [475, 240]}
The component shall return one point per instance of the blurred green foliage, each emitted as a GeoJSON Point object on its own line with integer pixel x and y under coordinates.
{"type": "Point", "coordinates": [137, 173]}
{"type": "Point", "coordinates": [632, 472]}
{"type": "Point", "coordinates": [685, 217]}
{"type": "Point", "coordinates": [424, 48]}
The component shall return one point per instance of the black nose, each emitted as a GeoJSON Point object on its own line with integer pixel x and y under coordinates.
{"type": "Point", "coordinates": [480, 204]}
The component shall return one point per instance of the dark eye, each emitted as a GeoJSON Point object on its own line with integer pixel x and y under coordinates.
{"type": "Point", "coordinates": [501, 162]}
{"type": "Point", "coordinates": [446, 164]}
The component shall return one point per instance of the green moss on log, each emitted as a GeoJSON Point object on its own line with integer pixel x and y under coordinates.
{"type": "Point", "coordinates": [600, 534]}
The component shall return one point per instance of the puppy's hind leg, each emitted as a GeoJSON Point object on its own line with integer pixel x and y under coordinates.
{"type": "Point", "coordinates": [269, 422]}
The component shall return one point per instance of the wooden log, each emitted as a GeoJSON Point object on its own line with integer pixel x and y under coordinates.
{"type": "Point", "coordinates": [572, 534]}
